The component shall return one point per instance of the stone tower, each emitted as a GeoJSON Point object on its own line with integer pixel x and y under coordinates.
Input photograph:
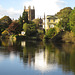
{"type": "Point", "coordinates": [31, 12]}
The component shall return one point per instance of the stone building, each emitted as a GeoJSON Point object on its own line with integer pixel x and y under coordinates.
{"type": "Point", "coordinates": [51, 21]}
{"type": "Point", "coordinates": [31, 12]}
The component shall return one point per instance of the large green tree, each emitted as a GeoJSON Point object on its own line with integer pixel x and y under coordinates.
{"type": "Point", "coordinates": [64, 18]}
{"type": "Point", "coordinates": [30, 29]}
{"type": "Point", "coordinates": [72, 17]}
{"type": "Point", "coordinates": [23, 19]}
{"type": "Point", "coordinates": [72, 20]}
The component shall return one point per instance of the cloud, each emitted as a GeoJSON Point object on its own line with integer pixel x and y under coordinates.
{"type": "Point", "coordinates": [50, 7]}
{"type": "Point", "coordinates": [11, 12]}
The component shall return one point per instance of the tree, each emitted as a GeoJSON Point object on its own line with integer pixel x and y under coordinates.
{"type": "Point", "coordinates": [50, 33]}
{"type": "Point", "coordinates": [14, 28]}
{"type": "Point", "coordinates": [5, 32]}
{"type": "Point", "coordinates": [38, 21]}
{"type": "Point", "coordinates": [20, 21]}
{"type": "Point", "coordinates": [72, 20]}
{"type": "Point", "coordinates": [25, 26]}
{"type": "Point", "coordinates": [64, 16]}
{"type": "Point", "coordinates": [30, 29]}
{"type": "Point", "coordinates": [4, 23]}
{"type": "Point", "coordinates": [24, 18]}
{"type": "Point", "coordinates": [72, 17]}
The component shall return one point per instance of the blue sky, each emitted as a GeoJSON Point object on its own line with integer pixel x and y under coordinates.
{"type": "Point", "coordinates": [14, 8]}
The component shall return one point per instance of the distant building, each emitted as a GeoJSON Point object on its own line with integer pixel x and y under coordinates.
{"type": "Point", "coordinates": [51, 21]}
{"type": "Point", "coordinates": [31, 12]}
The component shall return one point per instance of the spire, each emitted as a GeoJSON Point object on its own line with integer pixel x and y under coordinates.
{"type": "Point", "coordinates": [24, 7]}
{"type": "Point", "coordinates": [33, 7]}
{"type": "Point", "coordinates": [44, 16]}
{"type": "Point", "coordinates": [29, 7]}
{"type": "Point", "coordinates": [44, 20]}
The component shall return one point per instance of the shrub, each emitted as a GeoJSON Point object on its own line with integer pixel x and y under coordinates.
{"type": "Point", "coordinates": [68, 37]}
{"type": "Point", "coordinates": [5, 32]}
{"type": "Point", "coordinates": [51, 33]}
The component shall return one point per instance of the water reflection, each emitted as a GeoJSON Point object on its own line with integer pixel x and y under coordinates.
{"type": "Point", "coordinates": [48, 58]}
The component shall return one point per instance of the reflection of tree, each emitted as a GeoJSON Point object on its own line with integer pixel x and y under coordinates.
{"type": "Point", "coordinates": [72, 60]}
{"type": "Point", "coordinates": [29, 52]}
{"type": "Point", "coordinates": [66, 57]}
{"type": "Point", "coordinates": [51, 54]}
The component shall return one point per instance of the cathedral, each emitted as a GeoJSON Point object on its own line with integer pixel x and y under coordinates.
{"type": "Point", "coordinates": [31, 12]}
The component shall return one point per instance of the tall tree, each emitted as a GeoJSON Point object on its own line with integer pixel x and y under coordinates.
{"type": "Point", "coordinates": [72, 20]}
{"type": "Point", "coordinates": [64, 16]}
{"type": "Point", "coordinates": [25, 17]}
{"type": "Point", "coordinates": [72, 17]}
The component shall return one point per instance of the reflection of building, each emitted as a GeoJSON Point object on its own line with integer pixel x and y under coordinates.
{"type": "Point", "coordinates": [31, 12]}
{"type": "Point", "coordinates": [41, 62]}
{"type": "Point", "coordinates": [23, 43]}
{"type": "Point", "coordinates": [51, 21]}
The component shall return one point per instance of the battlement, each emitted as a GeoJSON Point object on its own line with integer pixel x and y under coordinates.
{"type": "Point", "coordinates": [31, 12]}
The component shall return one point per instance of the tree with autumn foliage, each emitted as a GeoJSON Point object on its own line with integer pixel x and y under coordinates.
{"type": "Point", "coordinates": [14, 28]}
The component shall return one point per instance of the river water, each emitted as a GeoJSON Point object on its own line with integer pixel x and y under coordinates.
{"type": "Point", "coordinates": [36, 58]}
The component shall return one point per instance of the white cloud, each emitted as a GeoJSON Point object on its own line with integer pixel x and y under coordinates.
{"type": "Point", "coordinates": [11, 12]}
{"type": "Point", "coordinates": [50, 7]}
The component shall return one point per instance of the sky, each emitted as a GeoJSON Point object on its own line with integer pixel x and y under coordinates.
{"type": "Point", "coordinates": [14, 8]}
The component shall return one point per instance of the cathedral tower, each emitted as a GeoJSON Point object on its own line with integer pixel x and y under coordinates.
{"type": "Point", "coordinates": [31, 12]}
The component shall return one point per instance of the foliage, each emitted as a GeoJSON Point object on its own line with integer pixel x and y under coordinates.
{"type": "Point", "coordinates": [64, 16]}
{"type": "Point", "coordinates": [37, 22]}
{"type": "Point", "coordinates": [24, 18]}
{"type": "Point", "coordinates": [73, 29]}
{"type": "Point", "coordinates": [72, 17]}
{"type": "Point", "coordinates": [25, 26]}
{"type": "Point", "coordinates": [20, 20]}
{"type": "Point", "coordinates": [4, 23]}
{"type": "Point", "coordinates": [68, 37]}
{"type": "Point", "coordinates": [30, 29]}
{"type": "Point", "coordinates": [5, 32]}
{"type": "Point", "coordinates": [72, 20]}
{"type": "Point", "coordinates": [14, 28]}
{"type": "Point", "coordinates": [50, 33]}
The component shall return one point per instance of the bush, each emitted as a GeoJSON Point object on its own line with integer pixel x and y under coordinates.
{"type": "Point", "coordinates": [68, 37]}
{"type": "Point", "coordinates": [5, 32]}
{"type": "Point", "coordinates": [73, 29]}
{"type": "Point", "coordinates": [50, 33]}
{"type": "Point", "coordinates": [30, 29]}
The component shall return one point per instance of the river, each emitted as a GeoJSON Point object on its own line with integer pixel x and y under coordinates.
{"type": "Point", "coordinates": [36, 58]}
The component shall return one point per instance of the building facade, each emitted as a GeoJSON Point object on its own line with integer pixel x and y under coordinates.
{"type": "Point", "coordinates": [51, 21]}
{"type": "Point", "coordinates": [31, 12]}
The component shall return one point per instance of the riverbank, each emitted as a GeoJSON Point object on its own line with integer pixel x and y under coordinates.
{"type": "Point", "coordinates": [64, 36]}
{"type": "Point", "coordinates": [61, 37]}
